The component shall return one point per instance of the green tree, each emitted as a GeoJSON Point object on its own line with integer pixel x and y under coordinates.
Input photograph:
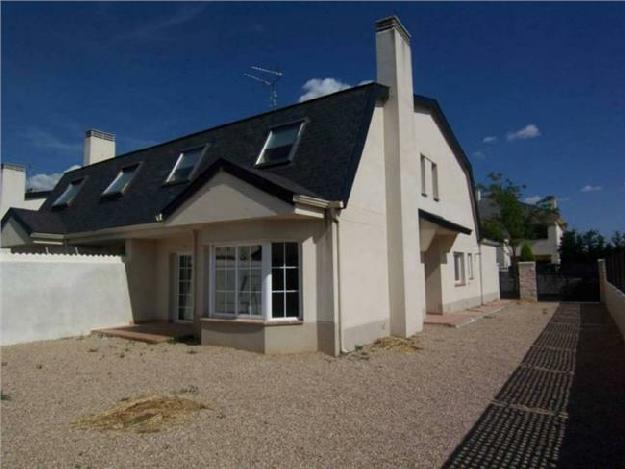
{"type": "Point", "coordinates": [526, 253]}
{"type": "Point", "coordinates": [511, 221]}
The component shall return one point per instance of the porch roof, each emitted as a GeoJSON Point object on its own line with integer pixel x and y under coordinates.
{"type": "Point", "coordinates": [444, 223]}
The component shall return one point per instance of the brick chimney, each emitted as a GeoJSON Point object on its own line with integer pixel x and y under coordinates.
{"type": "Point", "coordinates": [99, 146]}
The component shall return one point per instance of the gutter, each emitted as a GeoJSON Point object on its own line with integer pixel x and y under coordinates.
{"type": "Point", "coordinates": [317, 203]}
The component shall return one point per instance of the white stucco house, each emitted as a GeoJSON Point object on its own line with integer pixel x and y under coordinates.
{"type": "Point", "coordinates": [549, 229]}
{"type": "Point", "coordinates": [317, 226]}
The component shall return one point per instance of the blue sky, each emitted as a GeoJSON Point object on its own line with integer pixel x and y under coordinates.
{"type": "Point", "coordinates": [547, 81]}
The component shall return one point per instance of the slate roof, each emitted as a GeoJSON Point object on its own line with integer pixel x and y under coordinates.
{"type": "Point", "coordinates": [324, 164]}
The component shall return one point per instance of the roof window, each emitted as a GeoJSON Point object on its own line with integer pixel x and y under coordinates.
{"type": "Point", "coordinates": [185, 166]}
{"type": "Point", "coordinates": [121, 181]}
{"type": "Point", "coordinates": [280, 145]}
{"type": "Point", "coordinates": [69, 194]}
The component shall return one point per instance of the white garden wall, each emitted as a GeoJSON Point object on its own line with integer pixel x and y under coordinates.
{"type": "Point", "coordinates": [50, 296]}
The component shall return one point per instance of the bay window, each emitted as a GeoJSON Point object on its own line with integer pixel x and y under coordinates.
{"type": "Point", "coordinates": [256, 281]}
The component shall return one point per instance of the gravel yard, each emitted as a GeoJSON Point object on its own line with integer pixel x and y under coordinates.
{"type": "Point", "coordinates": [387, 408]}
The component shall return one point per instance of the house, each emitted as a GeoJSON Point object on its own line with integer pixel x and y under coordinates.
{"type": "Point", "coordinates": [318, 226]}
{"type": "Point", "coordinates": [13, 191]}
{"type": "Point", "coordinates": [548, 228]}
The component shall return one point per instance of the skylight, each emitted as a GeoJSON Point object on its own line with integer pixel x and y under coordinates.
{"type": "Point", "coordinates": [280, 145]}
{"type": "Point", "coordinates": [68, 194]}
{"type": "Point", "coordinates": [121, 181]}
{"type": "Point", "coordinates": [185, 165]}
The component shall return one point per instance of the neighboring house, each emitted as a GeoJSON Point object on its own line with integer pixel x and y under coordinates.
{"type": "Point", "coordinates": [317, 226]}
{"type": "Point", "coordinates": [13, 191]}
{"type": "Point", "coordinates": [548, 230]}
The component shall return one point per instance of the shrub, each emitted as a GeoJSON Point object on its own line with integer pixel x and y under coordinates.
{"type": "Point", "coordinates": [526, 253]}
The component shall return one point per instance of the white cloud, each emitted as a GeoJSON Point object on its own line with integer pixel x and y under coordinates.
{"type": "Point", "coordinates": [317, 87]}
{"type": "Point", "coordinates": [527, 132]}
{"type": "Point", "coordinates": [490, 139]}
{"type": "Point", "coordinates": [532, 200]}
{"type": "Point", "coordinates": [589, 188]}
{"type": "Point", "coordinates": [45, 182]}
{"type": "Point", "coordinates": [479, 155]}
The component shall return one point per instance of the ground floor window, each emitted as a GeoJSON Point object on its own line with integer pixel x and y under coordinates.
{"type": "Point", "coordinates": [459, 268]}
{"type": "Point", "coordinates": [184, 287]}
{"type": "Point", "coordinates": [470, 265]}
{"type": "Point", "coordinates": [256, 280]}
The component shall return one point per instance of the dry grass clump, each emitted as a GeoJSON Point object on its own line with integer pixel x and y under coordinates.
{"type": "Point", "coordinates": [398, 344]}
{"type": "Point", "coordinates": [146, 414]}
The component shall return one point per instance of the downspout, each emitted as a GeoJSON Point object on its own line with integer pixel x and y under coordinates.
{"type": "Point", "coordinates": [335, 225]}
{"type": "Point", "coordinates": [479, 249]}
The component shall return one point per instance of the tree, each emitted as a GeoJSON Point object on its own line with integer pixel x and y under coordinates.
{"type": "Point", "coordinates": [511, 222]}
{"type": "Point", "coordinates": [588, 246]}
{"type": "Point", "coordinates": [526, 253]}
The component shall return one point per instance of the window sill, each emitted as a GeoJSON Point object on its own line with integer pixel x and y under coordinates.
{"type": "Point", "coordinates": [253, 322]}
{"type": "Point", "coordinates": [461, 284]}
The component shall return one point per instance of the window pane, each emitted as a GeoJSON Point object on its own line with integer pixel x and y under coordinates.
{"type": "Point", "coordinates": [220, 279]}
{"type": "Point", "coordinates": [244, 280]}
{"type": "Point", "coordinates": [292, 279]}
{"type": "Point", "coordinates": [244, 303]}
{"type": "Point", "coordinates": [434, 181]}
{"type": "Point", "coordinates": [423, 177]}
{"type": "Point", "coordinates": [224, 256]}
{"type": "Point", "coordinates": [244, 256]}
{"type": "Point", "coordinates": [291, 254]}
{"type": "Point", "coordinates": [121, 181]}
{"type": "Point", "coordinates": [185, 164]}
{"type": "Point", "coordinates": [277, 279]}
{"type": "Point", "coordinates": [255, 306]}
{"type": "Point", "coordinates": [292, 305]}
{"type": "Point", "coordinates": [277, 306]}
{"type": "Point", "coordinates": [256, 256]}
{"type": "Point", "coordinates": [277, 254]}
{"type": "Point", "coordinates": [256, 281]}
{"type": "Point", "coordinates": [68, 194]}
{"type": "Point", "coordinates": [283, 136]}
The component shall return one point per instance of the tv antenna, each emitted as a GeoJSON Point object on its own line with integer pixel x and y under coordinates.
{"type": "Point", "coordinates": [268, 78]}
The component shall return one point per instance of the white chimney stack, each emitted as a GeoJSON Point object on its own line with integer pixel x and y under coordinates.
{"type": "Point", "coordinates": [99, 146]}
{"type": "Point", "coordinates": [401, 161]}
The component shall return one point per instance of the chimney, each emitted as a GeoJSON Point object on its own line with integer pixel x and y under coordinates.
{"type": "Point", "coordinates": [99, 146]}
{"type": "Point", "coordinates": [402, 171]}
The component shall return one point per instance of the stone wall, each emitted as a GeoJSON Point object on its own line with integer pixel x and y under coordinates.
{"type": "Point", "coordinates": [528, 290]}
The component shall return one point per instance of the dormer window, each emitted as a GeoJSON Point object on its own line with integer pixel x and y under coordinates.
{"type": "Point", "coordinates": [185, 166]}
{"type": "Point", "coordinates": [280, 145]}
{"type": "Point", "coordinates": [121, 181]}
{"type": "Point", "coordinates": [69, 194]}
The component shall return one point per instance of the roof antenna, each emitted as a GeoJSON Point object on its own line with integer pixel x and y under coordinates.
{"type": "Point", "coordinates": [271, 82]}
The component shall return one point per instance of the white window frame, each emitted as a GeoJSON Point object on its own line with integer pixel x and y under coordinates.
{"type": "Point", "coordinates": [177, 287]}
{"type": "Point", "coordinates": [462, 280]}
{"type": "Point", "coordinates": [435, 191]}
{"type": "Point", "coordinates": [470, 265]}
{"type": "Point", "coordinates": [202, 150]}
{"type": "Point", "coordinates": [289, 158]}
{"type": "Point", "coordinates": [424, 191]}
{"type": "Point", "coordinates": [266, 289]}
{"type": "Point", "coordinates": [106, 192]}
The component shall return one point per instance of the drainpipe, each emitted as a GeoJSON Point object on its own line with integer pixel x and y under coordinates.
{"type": "Point", "coordinates": [335, 226]}
{"type": "Point", "coordinates": [479, 249]}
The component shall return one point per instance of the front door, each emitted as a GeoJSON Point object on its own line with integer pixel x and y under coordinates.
{"type": "Point", "coordinates": [184, 287]}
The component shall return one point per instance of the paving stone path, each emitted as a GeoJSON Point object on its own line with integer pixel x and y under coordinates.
{"type": "Point", "coordinates": [563, 407]}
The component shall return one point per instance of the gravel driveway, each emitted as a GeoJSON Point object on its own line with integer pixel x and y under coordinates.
{"type": "Point", "coordinates": [393, 409]}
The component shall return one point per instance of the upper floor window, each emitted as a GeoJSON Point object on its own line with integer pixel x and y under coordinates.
{"type": "Point", "coordinates": [429, 178]}
{"type": "Point", "coordinates": [280, 145]}
{"type": "Point", "coordinates": [435, 181]}
{"type": "Point", "coordinates": [69, 194]}
{"type": "Point", "coordinates": [459, 275]}
{"type": "Point", "coordinates": [185, 165]}
{"type": "Point", "coordinates": [121, 181]}
{"type": "Point", "coordinates": [423, 175]}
